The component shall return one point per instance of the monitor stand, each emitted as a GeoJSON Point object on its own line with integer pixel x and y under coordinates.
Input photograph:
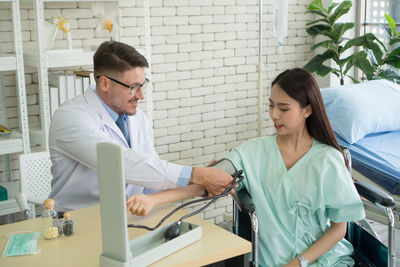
{"type": "Point", "coordinates": [118, 251]}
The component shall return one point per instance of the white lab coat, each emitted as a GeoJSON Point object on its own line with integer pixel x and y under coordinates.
{"type": "Point", "coordinates": [76, 128]}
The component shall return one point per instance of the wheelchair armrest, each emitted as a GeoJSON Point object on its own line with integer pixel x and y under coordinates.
{"type": "Point", "coordinates": [374, 194]}
{"type": "Point", "coordinates": [243, 201]}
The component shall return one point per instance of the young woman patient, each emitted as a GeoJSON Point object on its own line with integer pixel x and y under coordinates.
{"type": "Point", "coordinates": [298, 181]}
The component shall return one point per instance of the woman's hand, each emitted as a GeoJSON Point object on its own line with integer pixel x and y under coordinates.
{"type": "Point", "coordinates": [293, 263]}
{"type": "Point", "coordinates": [140, 205]}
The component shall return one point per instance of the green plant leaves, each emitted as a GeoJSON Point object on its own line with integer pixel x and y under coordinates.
{"type": "Point", "coordinates": [323, 70]}
{"type": "Point", "coordinates": [394, 41]}
{"type": "Point", "coordinates": [390, 74]}
{"type": "Point", "coordinates": [317, 12]}
{"type": "Point", "coordinates": [382, 44]}
{"type": "Point", "coordinates": [360, 60]}
{"type": "Point", "coordinates": [335, 33]}
{"type": "Point", "coordinates": [331, 6]}
{"type": "Point", "coordinates": [372, 60]}
{"type": "Point", "coordinates": [342, 9]}
{"type": "Point", "coordinates": [358, 41]}
{"type": "Point", "coordinates": [336, 72]}
{"type": "Point", "coordinates": [348, 66]}
{"type": "Point", "coordinates": [392, 23]}
{"type": "Point", "coordinates": [319, 29]}
{"type": "Point", "coordinates": [316, 63]}
{"type": "Point", "coordinates": [387, 29]}
{"type": "Point", "coordinates": [367, 41]}
{"type": "Point", "coordinates": [327, 44]}
{"type": "Point", "coordinates": [316, 5]}
{"type": "Point", "coordinates": [376, 50]}
{"type": "Point", "coordinates": [354, 80]}
{"type": "Point", "coordinates": [338, 30]}
{"type": "Point", "coordinates": [316, 8]}
{"type": "Point", "coordinates": [349, 61]}
{"type": "Point", "coordinates": [394, 58]}
{"type": "Point", "coordinates": [316, 21]}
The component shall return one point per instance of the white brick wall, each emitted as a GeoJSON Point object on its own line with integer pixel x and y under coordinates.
{"type": "Point", "coordinates": [204, 69]}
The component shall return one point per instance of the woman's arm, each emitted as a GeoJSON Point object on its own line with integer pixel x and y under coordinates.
{"type": "Point", "coordinates": [335, 233]}
{"type": "Point", "coordinates": [142, 204]}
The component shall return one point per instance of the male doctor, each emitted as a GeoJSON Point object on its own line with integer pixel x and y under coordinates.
{"type": "Point", "coordinates": [109, 112]}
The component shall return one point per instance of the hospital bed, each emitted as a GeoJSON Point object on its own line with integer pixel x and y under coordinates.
{"type": "Point", "coordinates": [366, 120]}
{"type": "Point", "coordinates": [376, 160]}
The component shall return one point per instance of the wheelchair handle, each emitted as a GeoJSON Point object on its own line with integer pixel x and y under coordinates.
{"type": "Point", "coordinates": [243, 201]}
{"type": "Point", "coordinates": [374, 194]}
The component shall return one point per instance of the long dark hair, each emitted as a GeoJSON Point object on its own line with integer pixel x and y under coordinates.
{"type": "Point", "coordinates": [300, 85]}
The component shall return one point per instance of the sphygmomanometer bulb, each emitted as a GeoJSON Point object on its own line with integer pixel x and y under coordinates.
{"type": "Point", "coordinates": [173, 231]}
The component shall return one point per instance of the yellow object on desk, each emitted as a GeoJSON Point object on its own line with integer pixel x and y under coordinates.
{"type": "Point", "coordinates": [50, 232]}
{"type": "Point", "coordinates": [48, 218]}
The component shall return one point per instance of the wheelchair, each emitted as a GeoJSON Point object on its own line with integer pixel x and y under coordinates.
{"type": "Point", "coordinates": [368, 249]}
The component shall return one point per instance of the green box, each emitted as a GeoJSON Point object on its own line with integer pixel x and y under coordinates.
{"type": "Point", "coordinates": [3, 193]}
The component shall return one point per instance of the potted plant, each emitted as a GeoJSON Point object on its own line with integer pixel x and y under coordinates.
{"type": "Point", "coordinates": [371, 60]}
{"type": "Point", "coordinates": [384, 59]}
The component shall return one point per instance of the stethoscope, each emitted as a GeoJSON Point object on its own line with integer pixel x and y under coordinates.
{"type": "Point", "coordinates": [174, 230]}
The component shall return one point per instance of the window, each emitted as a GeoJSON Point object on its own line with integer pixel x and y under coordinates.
{"type": "Point", "coordinates": [372, 16]}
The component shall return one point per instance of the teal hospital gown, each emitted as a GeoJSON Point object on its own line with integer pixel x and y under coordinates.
{"type": "Point", "coordinates": [294, 206]}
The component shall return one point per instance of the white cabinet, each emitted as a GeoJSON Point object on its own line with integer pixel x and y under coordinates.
{"type": "Point", "coordinates": [18, 141]}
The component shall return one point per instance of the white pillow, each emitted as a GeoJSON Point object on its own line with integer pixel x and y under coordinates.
{"type": "Point", "coordinates": [359, 109]}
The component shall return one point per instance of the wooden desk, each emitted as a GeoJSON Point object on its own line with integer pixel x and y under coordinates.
{"type": "Point", "coordinates": [85, 246]}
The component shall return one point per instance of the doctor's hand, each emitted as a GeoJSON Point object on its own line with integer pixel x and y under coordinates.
{"type": "Point", "coordinates": [211, 162]}
{"type": "Point", "coordinates": [140, 205]}
{"type": "Point", "coordinates": [214, 180]}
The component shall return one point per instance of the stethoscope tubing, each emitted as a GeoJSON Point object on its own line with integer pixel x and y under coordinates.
{"type": "Point", "coordinates": [237, 178]}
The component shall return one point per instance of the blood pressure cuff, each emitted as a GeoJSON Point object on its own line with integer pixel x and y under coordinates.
{"type": "Point", "coordinates": [225, 165]}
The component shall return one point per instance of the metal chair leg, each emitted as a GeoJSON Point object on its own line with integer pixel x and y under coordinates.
{"type": "Point", "coordinates": [391, 238]}
{"type": "Point", "coordinates": [235, 218]}
{"type": "Point", "coordinates": [254, 237]}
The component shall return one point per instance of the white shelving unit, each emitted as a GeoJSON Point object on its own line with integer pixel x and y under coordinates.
{"type": "Point", "coordinates": [17, 142]}
{"type": "Point", "coordinates": [61, 58]}
{"type": "Point", "coordinates": [53, 59]}
{"type": "Point", "coordinates": [45, 59]}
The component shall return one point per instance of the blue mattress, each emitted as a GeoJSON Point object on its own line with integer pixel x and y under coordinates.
{"type": "Point", "coordinates": [377, 156]}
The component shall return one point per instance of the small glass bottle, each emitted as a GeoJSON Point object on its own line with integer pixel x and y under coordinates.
{"type": "Point", "coordinates": [59, 224]}
{"type": "Point", "coordinates": [48, 217]}
{"type": "Point", "coordinates": [68, 228]}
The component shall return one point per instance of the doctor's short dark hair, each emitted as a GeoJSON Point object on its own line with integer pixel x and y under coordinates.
{"type": "Point", "coordinates": [116, 57]}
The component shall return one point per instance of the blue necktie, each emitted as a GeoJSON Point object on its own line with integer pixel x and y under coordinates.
{"type": "Point", "coordinates": [124, 129]}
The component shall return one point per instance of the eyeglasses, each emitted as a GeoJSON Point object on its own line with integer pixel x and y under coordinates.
{"type": "Point", "coordinates": [134, 88]}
